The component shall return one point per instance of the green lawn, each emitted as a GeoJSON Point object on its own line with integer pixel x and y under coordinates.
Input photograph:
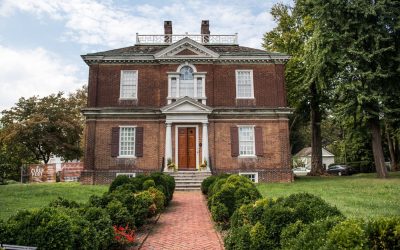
{"type": "Point", "coordinates": [361, 195]}
{"type": "Point", "coordinates": [14, 197]}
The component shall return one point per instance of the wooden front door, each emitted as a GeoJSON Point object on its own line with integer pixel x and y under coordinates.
{"type": "Point", "coordinates": [187, 148]}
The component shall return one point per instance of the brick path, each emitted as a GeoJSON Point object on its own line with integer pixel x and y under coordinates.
{"type": "Point", "coordinates": [186, 224]}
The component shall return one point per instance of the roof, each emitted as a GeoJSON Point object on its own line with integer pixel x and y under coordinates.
{"type": "Point", "coordinates": [307, 152]}
{"type": "Point", "coordinates": [232, 50]}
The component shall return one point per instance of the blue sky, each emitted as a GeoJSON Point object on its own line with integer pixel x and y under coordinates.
{"type": "Point", "coordinates": [41, 40]}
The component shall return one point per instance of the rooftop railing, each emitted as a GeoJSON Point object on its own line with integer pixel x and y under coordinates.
{"type": "Point", "coordinates": [203, 39]}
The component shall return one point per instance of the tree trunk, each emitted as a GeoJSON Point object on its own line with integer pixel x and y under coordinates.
{"type": "Point", "coordinates": [392, 142]}
{"type": "Point", "coordinates": [377, 148]}
{"type": "Point", "coordinates": [316, 141]}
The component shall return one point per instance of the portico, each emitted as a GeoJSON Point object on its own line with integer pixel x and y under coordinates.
{"type": "Point", "coordinates": [186, 116]}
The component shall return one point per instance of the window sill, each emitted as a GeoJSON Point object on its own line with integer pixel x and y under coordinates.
{"type": "Point", "coordinates": [126, 157]}
{"type": "Point", "coordinates": [127, 99]}
{"type": "Point", "coordinates": [247, 156]}
{"type": "Point", "coordinates": [245, 98]}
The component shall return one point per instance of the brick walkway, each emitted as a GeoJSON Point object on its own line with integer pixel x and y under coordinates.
{"type": "Point", "coordinates": [186, 224]}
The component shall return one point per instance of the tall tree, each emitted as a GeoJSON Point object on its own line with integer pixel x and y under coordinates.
{"type": "Point", "coordinates": [364, 35]}
{"type": "Point", "coordinates": [44, 126]}
{"type": "Point", "coordinates": [305, 91]}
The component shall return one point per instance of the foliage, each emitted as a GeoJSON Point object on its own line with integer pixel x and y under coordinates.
{"type": "Point", "coordinates": [230, 194]}
{"type": "Point", "coordinates": [299, 236]}
{"type": "Point", "coordinates": [142, 208]}
{"type": "Point", "coordinates": [118, 181]}
{"type": "Point", "coordinates": [348, 234]}
{"type": "Point", "coordinates": [207, 182]}
{"type": "Point", "coordinates": [44, 127]}
{"type": "Point", "coordinates": [148, 183]}
{"type": "Point", "coordinates": [268, 218]}
{"type": "Point", "coordinates": [383, 233]}
{"type": "Point", "coordinates": [124, 236]}
{"type": "Point", "coordinates": [158, 199]}
{"type": "Point", "coordinates": [47, 228]}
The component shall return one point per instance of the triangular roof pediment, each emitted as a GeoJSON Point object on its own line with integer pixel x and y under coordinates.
{"type": "Point", "coordinates": [186, 105]}
{"type": "Point", "coordinates": [186, 48]}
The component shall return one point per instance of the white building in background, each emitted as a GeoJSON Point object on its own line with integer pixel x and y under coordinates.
{"type": "Point", "coordinates": [305, 156]}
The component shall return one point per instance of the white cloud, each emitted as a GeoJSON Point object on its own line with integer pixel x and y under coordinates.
{"type": "Point", "coordinates": [25, 73]}
{"type": "Point", "coordinates": [95, 22]}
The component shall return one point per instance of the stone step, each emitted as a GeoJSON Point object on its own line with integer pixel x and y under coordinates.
{"type": "Point", "coordinates": [190, 177]}
{"type": "Point", "coordinates": [190, 174]}
{"type": "Point", "coordinates": [188, 180]}
{"type": "Point", "coordinates": [187, 189]}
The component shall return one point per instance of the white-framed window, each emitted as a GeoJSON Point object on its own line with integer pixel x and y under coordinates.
{"type": "Point", "coordinates": [128, 84]}
{"type": "Point", "coordinates": [253, 176]}
{"type": "Point", "coordinates": [244, 84]}
{"type": "Point", "coordinates": [130, 175]}
{"type": "Point", "coordinates": [246, 141]}
{"type": "Point", "coordinates": [186, 81]}
{"type": "Point", "coordinates": [127, 141]}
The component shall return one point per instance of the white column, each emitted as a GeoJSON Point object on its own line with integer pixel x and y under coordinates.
{"type": "Point", "coordinates": [205, 144]}
{"type": "Point", "coordinates": [168, 144]}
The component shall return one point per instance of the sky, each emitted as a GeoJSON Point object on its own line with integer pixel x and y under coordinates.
{"type": "Point", "coordinates": [41, 40]}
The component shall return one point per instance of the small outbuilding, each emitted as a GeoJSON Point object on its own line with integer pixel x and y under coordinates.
{"type": "Point", "coordinates": [305, 156]}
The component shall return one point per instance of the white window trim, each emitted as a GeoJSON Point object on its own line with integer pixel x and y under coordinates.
{"type": "Point", "coordinates": [196, 75]}
{"type": "Point", "coordinates": [252, 83]}
{"type": "Point", "coordinates": [248, 173]}
{"type": "Point", "coordinates": [130, 175]}
{"type": "Point", "coordinates": [254, 141]}
{"type": "Point", "coordinates": [119, 143]}
{"type": "Point", "coordinates": [120, 86]}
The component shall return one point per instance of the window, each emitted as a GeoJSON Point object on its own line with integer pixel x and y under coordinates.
{"type": "Point", "coordinates": [252, 176]}
{"type": "Point", "coordinates": [130, 175]}
{"type": "Point", "coordinates": [128, 87]}
{"type": "Point", "coordinates": [127, 141]}
{"type": "Point", "coordinates": [244, 84]}
{"type": "Point", "coordinates": [186, 81]}
{"type": "Point", "coordinates": [246, 141]}
{"type": "Point", "coordinates": [186, 87]}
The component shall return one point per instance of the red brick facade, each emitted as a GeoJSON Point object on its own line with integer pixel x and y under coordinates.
{"type": "Point", "coordinates": [269, 87]}
{"type": "Point", "coordinates": [267, 111]}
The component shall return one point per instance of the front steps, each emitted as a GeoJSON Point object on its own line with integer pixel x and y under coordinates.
{"type": "Point", "coordinates": [189, 180]}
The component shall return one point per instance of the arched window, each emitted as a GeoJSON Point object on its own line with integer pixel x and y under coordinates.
{"type": "Point", "coordinates": [186, 87]}
{"type": "Point", "coordinates": [186, 73]}
{"type": "Point", "coordinates": [186, 81]}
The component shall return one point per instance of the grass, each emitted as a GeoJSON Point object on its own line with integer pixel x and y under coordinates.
{"type": "Point", "coordinates": [357, 196]}
{"type": "Point", "coordinates": [15, 197]}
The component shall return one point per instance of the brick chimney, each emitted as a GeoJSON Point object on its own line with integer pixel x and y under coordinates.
{"type": "Point", "coordinates": [167, 31]}
{"type": "Point", "coordinates": [205, 30]}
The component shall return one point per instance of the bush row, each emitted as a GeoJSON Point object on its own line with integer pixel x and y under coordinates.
{"type": "Point", "coordinates": [226, 193]}
{"type": "Point", "coordinates": [105, 222]}
{"type": "Point", "coordinates": [261, 225]}
{"type": "Point", "coordinates": [299, 221]}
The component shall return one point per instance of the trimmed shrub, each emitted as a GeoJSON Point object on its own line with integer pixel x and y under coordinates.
{"type": "Point", "coordinates": [119, 214]}
{"type": "Point", "coordinates": [383, 233]}
{"type": "Point", "coordinates": [228, 194]}
{"type": "Point", "coordinates": [158, 198]}
{"type": "Point", "coordinates": [118, 181]}
{"type": "Point", "coordinates": [148, 183]}
{"type": "Point", "coordinates": [207, 183]}
{"type": "Point", "coordinates": [142, 207]}
{"type": "Point", "coordinates": [348, 234]}
{"type": "Point", "coordinates": [220, 212]}
{"type": "Point", "coordinates": [101, 222]}
{"type": "Point", "coordinates": [270, 217]}
{"type": "Point", "coordinates": [62, 202]}
{"type": "Point", "coordinates": [309, 208]}
{"type": "Point", "coordinates": [299, 236]}
{"type": "Point", "coordinates": [49, 228]}
{"type": "Point", "coordinates": [238, 238]}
